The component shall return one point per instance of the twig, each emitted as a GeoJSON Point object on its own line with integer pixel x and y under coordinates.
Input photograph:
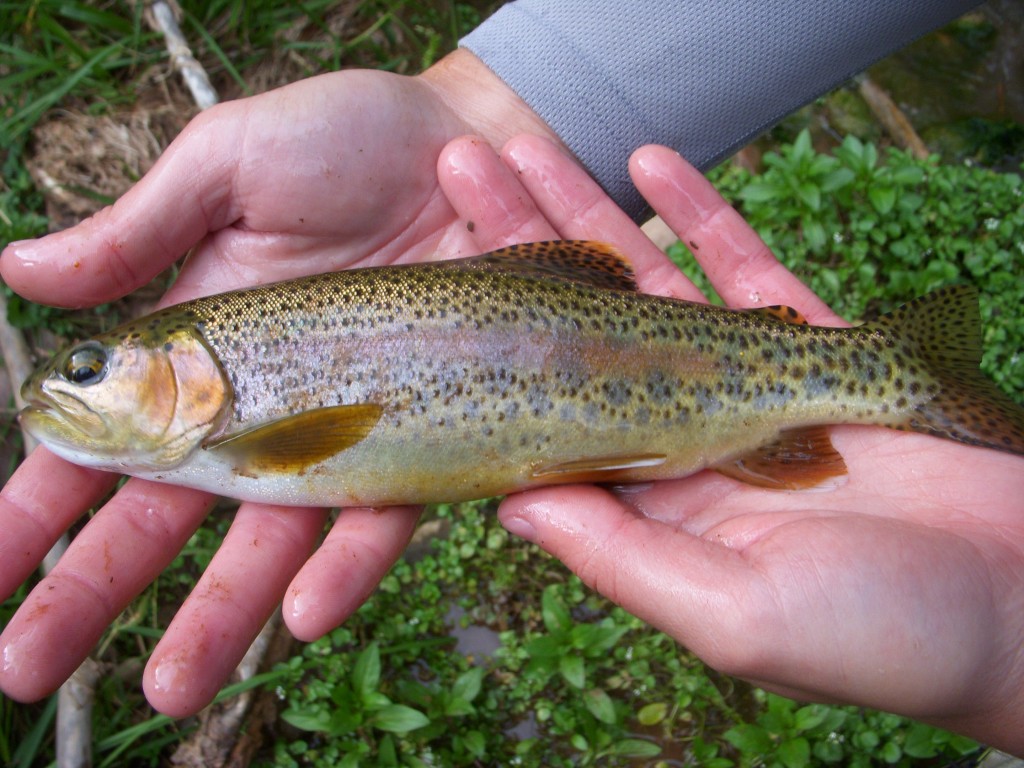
{"type": "Point", "coordinates": [659, 233]}
{"type": "Point", "coordinates": [891, 117]}
{"type": "Point", "coordinates": [74, 716]}
{"type": "Point", "coordinates": [18, 363]}
{"type": "Point", "coordinates": [161, 17]}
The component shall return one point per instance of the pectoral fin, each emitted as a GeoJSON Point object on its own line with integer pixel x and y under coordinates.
{"type": "Point", "coordinates": [601, 469]}
{"type": "Point", "coordinates": [295, 443]}
{"type": "Point", "coordinates": [798, 459]}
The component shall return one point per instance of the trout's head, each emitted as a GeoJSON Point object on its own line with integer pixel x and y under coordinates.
{"type": "Point", "coordinates": [141, 397]}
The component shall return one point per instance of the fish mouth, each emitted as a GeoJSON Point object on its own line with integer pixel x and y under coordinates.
{"type": "Point", "coordinates": [54, 415]}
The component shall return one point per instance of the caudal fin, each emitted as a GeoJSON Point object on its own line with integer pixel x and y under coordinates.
{"type": "Point", "coordinates": [943, 331]}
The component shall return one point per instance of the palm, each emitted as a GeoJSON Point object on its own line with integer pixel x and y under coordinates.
{"type": "Point", "coordinates": [348, 176]}
{"type": "Point", "coordinates": [323, 191]}
{"type": "Point", "coordinates": [894, 569]}
{"type": "Point", "coordinates": [322, 174]}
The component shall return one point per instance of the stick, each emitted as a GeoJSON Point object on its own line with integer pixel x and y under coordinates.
{"type": "Point", "coordinates": [891, 117]}
{"type": "Point", "coordinates": [161, 18]}
{"type": "Point", "coordinates": [18, 363]}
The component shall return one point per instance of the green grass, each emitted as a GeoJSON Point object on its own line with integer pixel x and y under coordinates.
{"type": "Point", "coordinates": [575, 680]}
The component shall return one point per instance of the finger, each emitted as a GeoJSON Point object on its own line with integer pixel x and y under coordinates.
{"type": "Point", "coordinates": [740, 266]}
{"type": "Point", "coordinates": [497, 210]}
{"type": "Point", "coordinates": [121, 550]}
{"type": "Point", "coordinates": [578, 208]}
{"type": "Point", "coordinates": [691, 588]}
{"type": "Point", "coordinates": [360, 548]}
{"type": "Point", "coordinates": [187, 193]}
{"type": "Point", "coordinates": [237, 593]}
{"type": "Point", "coordinates": [40, 501]}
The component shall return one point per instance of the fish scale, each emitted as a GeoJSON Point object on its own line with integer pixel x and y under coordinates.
{"type": "Point", "coordinates": [533, 365]}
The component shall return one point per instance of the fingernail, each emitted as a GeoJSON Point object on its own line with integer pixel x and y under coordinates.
{"type": "Point", "coordinates": [519, 526]}
{"type": "Point", "coordinates": [22, 250]}
{"type": "Point", "coordinates": [166, 677]}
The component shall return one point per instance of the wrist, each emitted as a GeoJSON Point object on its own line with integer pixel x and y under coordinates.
{"type": "Point", "coordinates": [482, 100]}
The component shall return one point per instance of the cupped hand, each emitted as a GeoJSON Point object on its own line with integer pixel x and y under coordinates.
{"type": "Point", "coordinates": [900, 589]}
{"type": "Point", "coordinates": [332, 172]}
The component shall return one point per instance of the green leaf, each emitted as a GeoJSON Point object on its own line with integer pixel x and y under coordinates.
{"type": "Point", "coordinates": [828, 751]}
{"type": "Point", "coordinates": [467, 685]}
{"type": "Point", "coordinates": [761, 192]}
{"type": "Point", "coordinates": [366, 672]}
{"type": "Point", "coordinates": [810, 716]}
{"type": "Point", "coordinates": [474, 743]}
{"type": "Point", "coordinates": [752, 740]}
{"type": "Point", "coordinates": [810, 194]}
{"type": "Point", "coordinates": [545, 646]}
{"type": "Point", "coordinates": [908, 175]}
{"type": "Point", "coordinates": [553, 611]}
{"type": "Point", "coordinates": [307, 721]}
{"type": "Point", "coordinates": [882, 197]}
{"type": "Point", "coordinates": [795, 753]}
{"type": "Point", "coordinates": [814, 233]}
{"type": "Point", "coordinates": [386, 756]}
{"type": "Point", "coordinates": [344, 721]}
{"type": "Point", "coordinates": [397, 718]}
{"type": "Point", "coordinates": [595, 639]}
{"type": "Point", "coordinates": [802, 148]}
{"type": "Point", "coordinates": [891, 752]}
{"type": "Point", "coordinates": [573, 669]}
{"type": "Point", "coordinates": [920, 741]}
{"type": "Point", "coordinates": [652, 714]}
{"type": "Point", "coordinates": [600, 705]}
{"type": "Point", "coordinates": [837, 179]}
{"type": "Point", "coordinates": [635, 748]}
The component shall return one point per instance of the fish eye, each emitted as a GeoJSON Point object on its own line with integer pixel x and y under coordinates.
{"type": "Point", "coordinates": [85, 364]}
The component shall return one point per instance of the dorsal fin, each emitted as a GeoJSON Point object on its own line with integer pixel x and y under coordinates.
{"type": "Point", "coordinates": [579, 261]}
{"type": "Point", "coordinates": [782, 313]}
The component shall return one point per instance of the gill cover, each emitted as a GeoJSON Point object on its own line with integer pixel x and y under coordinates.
{"type": "Point", "coordinates": [130, 399]}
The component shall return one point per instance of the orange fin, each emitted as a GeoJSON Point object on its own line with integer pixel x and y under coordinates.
{"type": "Point", "coordinates": [601, 469]}
{"type": "Point", "coordinates": [781, 313]}
{"type": "Point", "coordinates": [579, 261]}
{"type": "Point", "coordinates": [294, 443]}
{"type": "Point", "coordinates": [797, 459]}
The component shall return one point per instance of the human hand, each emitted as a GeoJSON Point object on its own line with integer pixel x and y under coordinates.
{"type": "Point", "coordinates": [332, 172]}
{"type": "Point", "coordinates": [901, 589]}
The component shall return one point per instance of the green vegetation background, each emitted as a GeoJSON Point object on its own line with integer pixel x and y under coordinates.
{"type": "Point", "coordinates": [572, 679]}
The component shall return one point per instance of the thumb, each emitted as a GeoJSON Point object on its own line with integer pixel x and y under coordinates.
{"type": "Point", "coordinates": [699, 592]}
{"type": "Point", "coordinates": [184, 196]}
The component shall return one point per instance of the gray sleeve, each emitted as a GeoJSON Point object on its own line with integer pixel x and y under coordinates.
{"type": "Point", "coordinates": [702, 77]}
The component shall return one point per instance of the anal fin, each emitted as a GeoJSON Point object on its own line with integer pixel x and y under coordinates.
{"type": "Point", "coordinates": [293, 444]}
{"type": "Point", "coordinates": [798, 459]}
{"type": "Point", "coordinates": [599, 469]}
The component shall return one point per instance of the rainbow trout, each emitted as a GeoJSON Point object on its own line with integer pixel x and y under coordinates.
{"type": "Point", "coordinates": [534, 365]}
